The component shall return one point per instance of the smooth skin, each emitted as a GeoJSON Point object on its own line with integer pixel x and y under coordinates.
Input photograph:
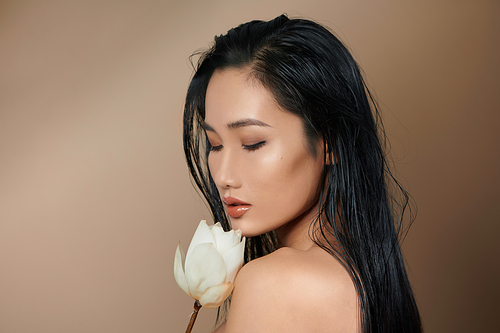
{"type": "Point", "coordinates": [261, 156]}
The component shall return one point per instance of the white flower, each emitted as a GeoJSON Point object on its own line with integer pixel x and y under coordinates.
{"type": "Point", "coordinates": [213, 258]}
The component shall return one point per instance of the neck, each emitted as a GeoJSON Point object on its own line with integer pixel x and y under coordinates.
{"type": "Point", "coordinates": [295, 234]}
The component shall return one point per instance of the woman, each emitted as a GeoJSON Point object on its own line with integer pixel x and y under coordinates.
{"type": "Point", "coordinates": [279, 134]}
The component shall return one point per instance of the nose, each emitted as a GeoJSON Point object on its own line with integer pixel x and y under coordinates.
{"type": "Point", "coordinates": [224, 168]}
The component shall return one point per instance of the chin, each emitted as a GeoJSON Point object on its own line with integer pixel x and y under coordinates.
{"type": "Point", "coordinates": [237, 225]}
{"type": "Point", "coordinates": [245, 230]}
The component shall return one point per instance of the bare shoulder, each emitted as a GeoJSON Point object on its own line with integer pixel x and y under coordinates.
{"type": "Point", "coordinates": [295, 291]}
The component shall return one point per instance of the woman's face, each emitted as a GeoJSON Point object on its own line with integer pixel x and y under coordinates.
{"type": "Point", "coordinates": [260, 160]}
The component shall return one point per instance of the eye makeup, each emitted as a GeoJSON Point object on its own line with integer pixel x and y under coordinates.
{"type": "Point", "coordinates": [254, 146]}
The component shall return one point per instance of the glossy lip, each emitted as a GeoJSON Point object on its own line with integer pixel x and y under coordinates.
{"type": "Point", "coordinates": [236, 207]}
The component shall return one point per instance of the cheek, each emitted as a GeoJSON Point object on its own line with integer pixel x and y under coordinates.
{"type": "Point", "coordinates": [213, 164]}
{"type": "Point", "coordinates": [265, 173]}
{"type": "Point", "coordinates": [287, 175]}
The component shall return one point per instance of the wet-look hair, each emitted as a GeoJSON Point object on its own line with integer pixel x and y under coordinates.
{"type": "Point", "coordinates": [312, 75]}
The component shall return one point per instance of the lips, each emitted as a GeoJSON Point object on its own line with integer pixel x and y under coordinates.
{"type": "Point", "coordinates": [236, 207]}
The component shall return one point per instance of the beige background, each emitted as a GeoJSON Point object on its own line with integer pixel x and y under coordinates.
{"type": "Point", "coordinates": [94, 193]}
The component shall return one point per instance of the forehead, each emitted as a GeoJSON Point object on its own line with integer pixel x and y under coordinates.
{"type": "Point", "coordinates": [233, 94]}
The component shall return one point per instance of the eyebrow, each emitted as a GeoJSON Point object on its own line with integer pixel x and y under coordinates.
{"type": "Point", "coordinates": [238, 124]}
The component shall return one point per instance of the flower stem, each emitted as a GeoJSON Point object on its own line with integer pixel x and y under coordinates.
{"type": "Point", "coordinates": [197, 307]}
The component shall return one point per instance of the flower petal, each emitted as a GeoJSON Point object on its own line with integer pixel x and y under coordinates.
{"type": "Point", "coordinates": [204, 268]}
{"type": "Point", "coordinates": [201, 235]}
{"type": "Point", "coordinates": [216, 295]}
{"type": "Point", "coordinates": [233, 259]}
{"type": "Point", "coordinates": [216, 229]}
{"type": "Point", "coordinates": [238, 232]}
{"type": "Point", "coordinates": [226, 240]}
{"type": "Point", "coordinates": [179, 275]}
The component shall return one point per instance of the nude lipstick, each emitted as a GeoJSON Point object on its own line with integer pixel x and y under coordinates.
{"type": "Point", "coordinates": [236, 207]}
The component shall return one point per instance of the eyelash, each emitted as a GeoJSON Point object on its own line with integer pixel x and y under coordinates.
{"type": "Point", "coordinates": [253, 147]}
{"type": "Point", "coordinates": [215, 148]}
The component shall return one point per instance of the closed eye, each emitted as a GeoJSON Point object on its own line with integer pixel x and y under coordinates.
{"type": "Point", "coordinates": [215, 148]}
{"type": "Point", "coordinates": [255, 146]}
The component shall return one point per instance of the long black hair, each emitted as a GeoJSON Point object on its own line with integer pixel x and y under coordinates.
{"type": "Point", "coordinates": [313, 75]}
